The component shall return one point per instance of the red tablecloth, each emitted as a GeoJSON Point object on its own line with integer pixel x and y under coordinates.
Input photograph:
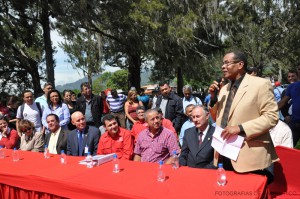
{"type": "Point", "coordinates": [36, 177]}
{"type": "Point", "coordinates": [286, 183]}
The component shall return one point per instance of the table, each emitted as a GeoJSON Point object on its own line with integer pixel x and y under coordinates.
{"type": "Point", "coordinates": [286, 183]}
{"type": "Point", "coordinates": [36, 177]}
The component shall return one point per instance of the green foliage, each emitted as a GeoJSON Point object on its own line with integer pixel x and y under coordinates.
{"type": "Point", "coordinates": [145, 11]}
{"type": "Point", "coordinates": [76, 91]}
{"type": "Point", "coordinates": [263, 29]}
{"type": "Point", "coordinates": [21, 52]}
{"type": "Point", "coordinates": [118, 80]}
{"type": "Point", "coordinates": [100, 83]}
{"type": "Point", "coordinates": [84, 52]}
{"type": "Point", "coordinates": [181, 27]}
{"type": "Point", "coordinates": [297, 145]}
{"type": "Point", "coordinates": [188, 35]}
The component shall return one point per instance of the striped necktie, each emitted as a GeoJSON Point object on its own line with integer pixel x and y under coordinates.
{"type": "Point", "coordinates": [200, 138]}
{"type": "Point", "coordinates": [228, 106]}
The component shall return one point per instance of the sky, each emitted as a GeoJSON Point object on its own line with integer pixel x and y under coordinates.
{"type": "Point", "coordinates": [64, 72]}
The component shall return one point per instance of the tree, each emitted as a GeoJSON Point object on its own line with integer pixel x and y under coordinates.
{"type": "Point", "coordinates": [118, 80]}
{"type": "Point", "coordinates": [21, 54]}
{"type": "Point", "coordinates": [101, 82]}
{"type": "Point", "coordinates": [190, 43]}
{"type": "Point", "coordinates": [84, 52]}
{"type": "Point", "coordinates": [45, 22]}
{"type": "Point", "coordinates": [264, 30]}
{"type": "Point", "coordinates": [28, 44]}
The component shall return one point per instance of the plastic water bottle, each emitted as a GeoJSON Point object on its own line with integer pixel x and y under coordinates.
{"type": "Point", "coordinates": [161, 172]}
{"type": "Point", "coordinates": [175, 161]}
{"type": "Point", "coordinates": [2, 152]}
{"type": "Point", "coordinates": [89, 160]}
{"type": "Point", "coordinates": [116, 164]}
{"type": "Point", "coordinates": [46, 152]}
{"type": "Point", "coordinates": [15, 155]}
{"type": "Point", "coordinates": [63, 157]}
{"type": "Point", "coordinates": [221, 175]}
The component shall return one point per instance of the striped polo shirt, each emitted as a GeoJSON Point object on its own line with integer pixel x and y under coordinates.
{"type": "Point", "coordinates": [116, 104]}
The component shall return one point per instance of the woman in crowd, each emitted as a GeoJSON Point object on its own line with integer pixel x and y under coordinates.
{"type": "Point", "coordinates": [3, 107]}
{"type": "Point", "coordinates": [8, 137]}
{"type": "Point", "coordinates": [56, 106]}
{"type": "Point", "coordinates": [12, 105]}
{"type": "Point", "coordinates": [130, 108]}
{"type": "Point", "coordinates": [30, 140]}
{"type": "Point", "coordinates": [71, 105]}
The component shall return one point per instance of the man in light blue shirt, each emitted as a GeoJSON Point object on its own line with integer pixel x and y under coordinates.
{"type": "Point", "coordinates": [189, 98]}
{"type": "Point", "coordinates": [43, 99]}
{"type": "Point", "coordinates": [278, 91]}
{"type": "Point", "coordinates": [188, 124]}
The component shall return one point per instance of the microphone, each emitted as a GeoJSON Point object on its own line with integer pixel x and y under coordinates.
{"type": "Point", "coordinates": [216, 91]}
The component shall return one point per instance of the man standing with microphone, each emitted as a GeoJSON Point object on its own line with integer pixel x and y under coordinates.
{"type": "Point", "coordinates": [246, 107]}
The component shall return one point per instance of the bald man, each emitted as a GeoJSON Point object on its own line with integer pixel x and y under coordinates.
{"type": "Point", "coordinates": [84, 138]}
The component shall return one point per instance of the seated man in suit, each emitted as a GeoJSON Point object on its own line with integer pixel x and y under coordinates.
{"type": "Point", "coordinates": [155, 143]}
{"type": "Point", "coordinates": [116, 139]}
{"type": "Point", "coordinates": [84, 138]}
{"type": "Point", "coordinates": [56, 140]}
{"type": "Point", "coordinates": [196, 148]}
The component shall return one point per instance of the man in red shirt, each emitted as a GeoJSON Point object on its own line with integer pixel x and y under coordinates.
{"type": "Point", "coordinates": [141, 124]}
{"type": "Point", "coordinates": [115, 140]}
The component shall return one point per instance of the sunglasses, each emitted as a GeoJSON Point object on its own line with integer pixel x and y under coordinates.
{"type": "Point", "coordinates": [26, 130]}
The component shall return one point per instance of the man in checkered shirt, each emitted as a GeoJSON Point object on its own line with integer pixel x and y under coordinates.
{"type": "Point", "coordinates": [156, 142]}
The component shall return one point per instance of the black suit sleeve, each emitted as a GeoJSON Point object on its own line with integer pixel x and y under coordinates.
{"type": "Point", "coordinates": [69, 142]}
{"type": "Point", "coordinates": [178, 112]}
{"type": "Point", "coordinates": [184, 152]}
{"type": "Point", "coordinates": [78, 105]}
{"type": "Point", "coordinates": [96, 141]}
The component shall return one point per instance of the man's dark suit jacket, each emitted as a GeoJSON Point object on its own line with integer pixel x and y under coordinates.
{"type": "Point", "coordinates": [174, 109]}
{"type": "Point", "coordinates": [61, 141]}
{"type": "Point", "coordinates": [194, 156]}
{"type": "Point", "coordinates": [97, 108]}
{"type": "Point", "coordinates": [90, 138]}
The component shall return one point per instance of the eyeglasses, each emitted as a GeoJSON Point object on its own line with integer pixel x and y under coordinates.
{"type": "Point", "coordinates": [229, 63]}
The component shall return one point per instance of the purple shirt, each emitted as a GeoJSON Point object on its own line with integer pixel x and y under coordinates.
{"type": "Point", "coordinates": [160, 147]}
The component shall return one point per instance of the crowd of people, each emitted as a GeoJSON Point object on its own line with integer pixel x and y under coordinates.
{"type": "Point", "coordinates": [139, 129]}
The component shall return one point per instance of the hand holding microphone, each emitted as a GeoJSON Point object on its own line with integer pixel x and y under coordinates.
{"type": "Point", "coordinates": [214, 90]}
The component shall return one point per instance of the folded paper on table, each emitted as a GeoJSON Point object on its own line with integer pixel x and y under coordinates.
{"type": "Point", "coordinates": [99, 159]}
{"type": "Point", "coordinates": [230, 147]}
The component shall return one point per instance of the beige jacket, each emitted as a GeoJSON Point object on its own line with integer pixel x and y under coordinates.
{"type": "Point", "coordinates": [35, 144]}
{"type": "Point", "coordinates": [253, 107]}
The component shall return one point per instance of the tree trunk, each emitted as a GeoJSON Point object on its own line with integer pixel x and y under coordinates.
{"type": "Point", "coordinates": [179, 81]}
{"type": "Point", "coordinates": [134, 71]}
{"type": "Point", "coordinates": [34, 72]}
{"type": "Point", "coordinates": [47, 42]}
{"type": "Point", "coordinates": [89, 76]}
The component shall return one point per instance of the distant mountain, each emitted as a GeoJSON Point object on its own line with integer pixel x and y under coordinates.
{"type": "Point", "coordinates": [74, 85]}
{"type": "Point", "coordinates": [145, 75]}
